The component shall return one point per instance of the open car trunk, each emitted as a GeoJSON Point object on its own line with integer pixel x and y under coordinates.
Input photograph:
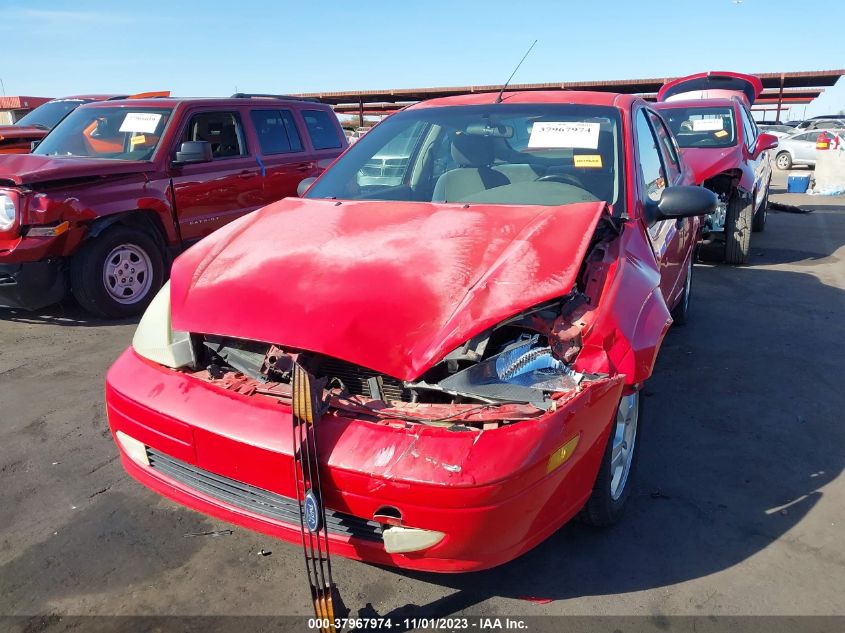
{"type": "Point", "coordinates": [712, 85]}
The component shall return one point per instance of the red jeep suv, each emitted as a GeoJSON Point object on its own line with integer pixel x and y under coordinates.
{"type": "Point", "coordinates": [119, 187]}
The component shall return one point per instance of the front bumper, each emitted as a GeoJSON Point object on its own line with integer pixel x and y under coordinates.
{"type": "Point", "coordinates": [490, 492]}
{"type": "Point", "coordinates": [33, 285]}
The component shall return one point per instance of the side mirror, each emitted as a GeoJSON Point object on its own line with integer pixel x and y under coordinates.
{"type": "Point", "coordinates": [765, 142]}
{"type": "Point", "coordinates": [684, 202]}
{"type": "Point", "coordinates": [303, 185]}
{"type": "Point", "coordinates": [33, 145]}
{"type": "Point", "coordinates": [194, 152]}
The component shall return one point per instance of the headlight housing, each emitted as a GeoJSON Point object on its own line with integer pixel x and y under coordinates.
{"type": "Point", "coordinates": [155, 338]}
{"type": "Point", "coordinates": [7, 211]}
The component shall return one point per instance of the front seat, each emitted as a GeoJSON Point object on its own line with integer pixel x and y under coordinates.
{"type": "Point", "coordinates": [473, 155]}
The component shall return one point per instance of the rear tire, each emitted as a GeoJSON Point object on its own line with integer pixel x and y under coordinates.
{"type": "Point", "coordinates": [615, 479]}
{"type": "Point", "coordinates": [738, 222]}
{"type": "Point", "coordinates": [759, 223]}
{"type": "Point", "coordinates": [783, 161]}
{"type": "Point", "coordinates": [116, 274]}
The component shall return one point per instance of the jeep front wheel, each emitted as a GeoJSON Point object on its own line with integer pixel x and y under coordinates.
{"type": "Point", "coordinates": [117, 274]}
{"type": "Point", "coordinates": [738, 219]}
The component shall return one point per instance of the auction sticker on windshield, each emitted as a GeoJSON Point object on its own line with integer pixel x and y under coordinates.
{"type": "Point", "coordinates": [587, 161]}
{"type": "Point", "coordinates": [707, 125]}
{"type": "Point", "coordinates": [143, 122]}
{"type": "Point", "coordinates": [564, 135]}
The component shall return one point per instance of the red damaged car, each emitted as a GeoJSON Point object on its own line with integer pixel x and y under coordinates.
{"type": "Point", "coordinates": [34, 126]}
{"type": "Point", "coordinates": [471, 335]}
{"type": "Point", "coordinates": [709, 114]}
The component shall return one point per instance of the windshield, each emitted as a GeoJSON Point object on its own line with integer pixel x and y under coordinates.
{"type": "Point", "coordinates": [107, 132]}
{"type": "Point", "coordinates": [702, 127]}
{"type": "Point", "coordinates": [48, 114]}
{"type": "Point", "coordinates": [497, 154]}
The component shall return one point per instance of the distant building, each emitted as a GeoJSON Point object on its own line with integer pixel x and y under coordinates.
{"type": "Point", "coordinates": [13, 108]}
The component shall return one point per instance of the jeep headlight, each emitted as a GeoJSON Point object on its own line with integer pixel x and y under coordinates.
{"type": "Point", "coordinates": [7, 211]}
{"type": "Point", "coordinates": [155, 338]}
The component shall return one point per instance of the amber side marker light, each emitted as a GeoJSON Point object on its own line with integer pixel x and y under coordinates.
{"type": "Point", "coordinates": [561, 455]}
{"type": "Point", "coordinates": [48, 231]}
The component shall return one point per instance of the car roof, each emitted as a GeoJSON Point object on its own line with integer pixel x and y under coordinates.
{"type": "Point", "coordinates": [579, 97]}
{"type": "Point", "coordinates": [171, 102]}
{"type": "Point", "coordinates": [101, 97]}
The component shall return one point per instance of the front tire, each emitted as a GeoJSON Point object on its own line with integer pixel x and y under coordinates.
{"type": "Point", "coordinates": [738, 220]}
{"type": "Point", "coordinates": [614, 481]}
{"type": "Point", "coordinates": [783, 161]}
{"type": "Point", "coordinates": [116, 274]}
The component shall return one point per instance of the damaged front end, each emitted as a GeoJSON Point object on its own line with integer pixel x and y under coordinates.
{"type": "Point", "coordinates": [519, 369]}
{"type": "Point", "coordinates": [515, 371]}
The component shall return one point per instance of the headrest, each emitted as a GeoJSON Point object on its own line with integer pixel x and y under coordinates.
{"type": "Point", "coordinates": [472, 151]}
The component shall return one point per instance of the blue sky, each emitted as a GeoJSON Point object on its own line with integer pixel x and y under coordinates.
{"type": "Point", "coordinates": [60, 47]}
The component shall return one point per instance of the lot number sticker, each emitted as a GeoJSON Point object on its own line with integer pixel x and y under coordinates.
{"type": "Point", "coordinates": [143, 122]}
{"type": "Point", "coordinates": [587, 161]}
{"type": "Point", "coordinates": [559, 135]}
{"type": "Point", "coordinates": [707, 125]}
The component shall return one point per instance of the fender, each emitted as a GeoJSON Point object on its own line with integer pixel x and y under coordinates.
{"type": "Point", "coordinates": [142, 219]}
{"type": "Point", "coordinates": [614, 343]}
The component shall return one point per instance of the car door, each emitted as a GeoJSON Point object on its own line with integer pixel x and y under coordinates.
{"type": "Point", "coordinates": [805, 147]}
{"type": "Point", "coordinates": [211, 194]}
{"type": "Point", "coordinates": [282, 156]}
{"type": "Point", "coordinates": [760, 165]}
{"type": "Point", "coordinates": [656, 172]}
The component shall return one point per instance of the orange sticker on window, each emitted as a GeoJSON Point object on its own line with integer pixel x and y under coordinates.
{"type": "Point", "coordinates": [720, 133]}
{"type": "Point", "coordinates": [587, 160]}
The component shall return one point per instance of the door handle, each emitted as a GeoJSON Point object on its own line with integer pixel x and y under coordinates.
{"type": "Point", "coordinates": [304, 167]}
{"type": "Point", "coordinates": [245, 174]}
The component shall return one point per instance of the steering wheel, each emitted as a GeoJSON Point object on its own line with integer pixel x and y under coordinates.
{"type": "Point", "coordinates": [562, 178]}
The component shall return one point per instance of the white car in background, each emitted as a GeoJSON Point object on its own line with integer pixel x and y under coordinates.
{"type": "Point", "coordinates": [781, 131]}
{"type": "Point", "coordinates": [800, 148]}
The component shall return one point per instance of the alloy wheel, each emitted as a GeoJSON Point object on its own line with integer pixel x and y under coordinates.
{"type": "Point", "coordinates": [624, 439]}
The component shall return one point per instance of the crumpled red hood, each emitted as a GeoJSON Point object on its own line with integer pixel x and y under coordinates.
{"type": "Point", "coordinates": [24, 169]}
{"type": "Point", "coordinates": [706, 162]}
{"type": "Point", "coordinates": [391, 286]}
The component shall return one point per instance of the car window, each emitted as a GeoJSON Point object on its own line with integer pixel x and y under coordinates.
{"type": "Point", "coordinates": [652, 176]}
{"type": "Point", "coordinates": [222, 129]}
{"type": "Point", "coordinates": [701, 126]}
{"type": "Point", "coordinates": [748, 127]}
{"type": "Point", "coordinates": [389, 166]}
{"type": "Point", "coordinates": [47, 115]}
{"type": "Point", "coordinates": [321, 129]}
{"type": "Point", "coordinates": [810, 137]}
{"type": "Point", "coordinates": [569, 153]}
{"type": "Point", "coordinates": [276, 130]}
{"type": "Point", "coordinates": [107, 132]}
{"type": "Point", "coordinates": [667, 146]}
